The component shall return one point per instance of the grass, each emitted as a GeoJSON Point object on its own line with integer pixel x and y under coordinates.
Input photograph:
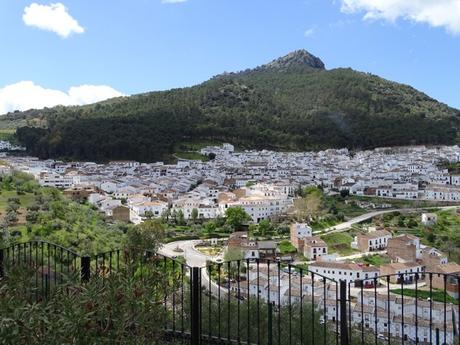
{"type": "Point", "coordinates": [349, 210]}
{"type": "Point", "coordinates": [437, 295]}
{"type": "Point", "coordinates": [191, 155]}
{"type": "Point", "coordinates": [7, 134]}
{"type": "Point", "coordinates": [398, 203]}
{"type": "Point", "coordinates": [286, 247]}
{"type": "Point", "coordinates": [340, 243]}
{"type": "Point", "coordinates": [194, 145]}
{"type": "Point", "coordinates": [25, 199]}
{"type": "Point", "coordinates": [376, 259]}
{"type": "Point", "coordinates": [211, 251]}
{"type": "Point", "coordinates": [443, 235]}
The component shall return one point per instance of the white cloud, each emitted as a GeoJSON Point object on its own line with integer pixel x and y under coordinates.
{"type": "Point", "coordinates": [53, 17]}
{"type": "Point", "coordinates": [436, 13]}
{"type": "Point", "coordinates": [26, 95]}
{"type": "Point", "coordinates": [172, 1]}
{"type": "Point", "coordinates": [309, 32]}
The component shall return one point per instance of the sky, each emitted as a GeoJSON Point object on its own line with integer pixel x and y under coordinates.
{"type": "Point", "coordinates": [81, 51]}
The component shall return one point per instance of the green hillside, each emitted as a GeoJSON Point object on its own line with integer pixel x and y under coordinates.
{"type": "Point", "coordinates": [292, 103]}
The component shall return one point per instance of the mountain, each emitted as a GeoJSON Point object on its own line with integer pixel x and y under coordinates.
{"type": "Point", "coordinates": [291, 103]}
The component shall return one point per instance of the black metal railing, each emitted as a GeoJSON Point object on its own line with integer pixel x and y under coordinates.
{"type": "Point", "coordinates": [264, 302]}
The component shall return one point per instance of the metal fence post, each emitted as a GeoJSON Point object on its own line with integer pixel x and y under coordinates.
{"type": "Point", "coordinates": [195, 307]}
{"type": "Point", "coordinates": [343, 313]}
{"type": "Point", "coordinates": [85, 268]}
{"type": "Point", "coordinates": [270, 324]}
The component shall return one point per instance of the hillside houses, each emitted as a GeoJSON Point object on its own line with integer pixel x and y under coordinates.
{"type": "Point", "coordinates": [372, 241]}
{"type": "Point", "coordinates": [262, 182]}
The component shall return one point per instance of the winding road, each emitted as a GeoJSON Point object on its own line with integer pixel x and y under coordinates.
{"type": "Point", "coordinates": [349, 223]}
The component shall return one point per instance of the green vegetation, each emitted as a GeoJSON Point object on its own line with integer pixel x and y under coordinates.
{"type": "Point", "coordinates": [207, 250]}
{"type": "Point", "coordinates": [438, 295]}
{"type": "Point", "coordinates": [454, 168]}
{"type": "Point", "coordinates": [443, 235]}
{"type": "Point", "coordinates": [376, 260]}
{"type": "Point", "coordinates": [8, 135]}
{"type": "Point", "coordinates": [236, 217]}
{"type": "Point", "coordinates": [191, 155]}
{"type": "Point", "coordinates": [286, 247]}
{"type": "Point", "coordinates": [339, 242]}
{"type": "Point", "coordinates": [124, 307]}
{"type": "Point", "coordinates": [29, 211]}
{"type": "Point", "coordinates": [295, 106]}
{"type": "Point", "coordinates": [323, 211]}
{"type": "Point", "coordinates": [399, 203]}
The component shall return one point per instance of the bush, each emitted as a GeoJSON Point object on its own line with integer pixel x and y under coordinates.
{"type": "Point", "coordinates": [120, 308]}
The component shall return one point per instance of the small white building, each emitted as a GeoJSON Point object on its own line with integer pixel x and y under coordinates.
{"type": "Point", "coordinates": [429, 219]}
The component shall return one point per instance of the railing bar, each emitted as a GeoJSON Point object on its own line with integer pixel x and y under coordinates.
{"type": "Point", "coordinates": [279, 303]}
{"type": "Point", "coordinates": [48, 273]}
{"type": "Point", "coordinates": [402, 308]}
{"type": "Point", "coordinates": [182, 298]}
{"type": "Point", "coordinates": [228, 297]}
{"type": "Point", "coordinates": [249, 295]}
{"type": "Point", "coordinates": [166, 285]}
{"type": "Point", "coordinates": [337, 314]}
{"type": "Point", "coordinates": [174, 296]}
{"type": "Point", "coordinates": [239, 300]}
{"type": "Point", "coordinates": [445, 307]}
{"type": "Point", "coordinates": [290, 305]}
{"type": "Point", "coordinates": [301, 309]}
{"type": "Point", "coordinates": [349, 314]}
{"type": "Point", "coordinates": [41, 266]}
{"type": "Point", "coordinates": [324, 309]}
{"type": "Point", "coordinates": [36, 271]}
{"type": "Point", "coordinates": [269, 307]}
{"type": "Point", "coordinates": [200, 302]}
{"type": "Point", "coordinates": [209, 300]}
{"type": "Point", "coordinates": [362, 313]}
{"type": "Point", "coordinates": [61, 278]}
{"type": "Point", "coordinates": [313, 308]}
{"type": "Point", "coordinates": [388, 311]}
{"type": "Point", "coordinates": [55, 265]}
{"type": "Point", "coordinates": [375, 309]}
{"type": "Point", "coordinates": [258, 302]}
{"type": "Point", "coordinates": [416, 308]}
{"type": "Point", "coordinates": [218, 302]}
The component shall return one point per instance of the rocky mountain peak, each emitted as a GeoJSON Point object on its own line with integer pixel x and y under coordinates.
{"type": "Point", "coordinates": [298, 58]}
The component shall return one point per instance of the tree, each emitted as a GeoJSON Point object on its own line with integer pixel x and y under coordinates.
{"type": "Point", "coordinates": [209, 227]}
{"type": "Point", "coordinates": [265, 227]}
{"type": "Point", "coordinates": [165, 215]}
{"type": "Point", "coordinates": [180, 219]}
{"type": "Point", "coordinates": [233, 255]}
{"type": "Point", "coordinates": [11, 217]}
{"type": "Point", "coordinates": [310, 205]}
{"type": "Point", "coordinates": [344, 193]}
{"type": "Point", "coordinates": [194, 215]}
{"type": "Point", "coordinates": [236, 216]}
{"type": "Point", "coordinates": [146, 236]}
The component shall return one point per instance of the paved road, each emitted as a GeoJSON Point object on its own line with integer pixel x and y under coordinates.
{"type": "Point", "coordinates": [193, 258]}
{"type": "Point", "coordinates": [348, 224]}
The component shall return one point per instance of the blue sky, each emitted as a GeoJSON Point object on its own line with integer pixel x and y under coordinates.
{"type": "Point", "coordinates": [104, 48]}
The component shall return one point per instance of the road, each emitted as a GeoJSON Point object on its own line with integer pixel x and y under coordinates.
{"type": "Point", "coordinates": [349, 223]}
{"type": "Point", "coordinates": [193, 258]}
